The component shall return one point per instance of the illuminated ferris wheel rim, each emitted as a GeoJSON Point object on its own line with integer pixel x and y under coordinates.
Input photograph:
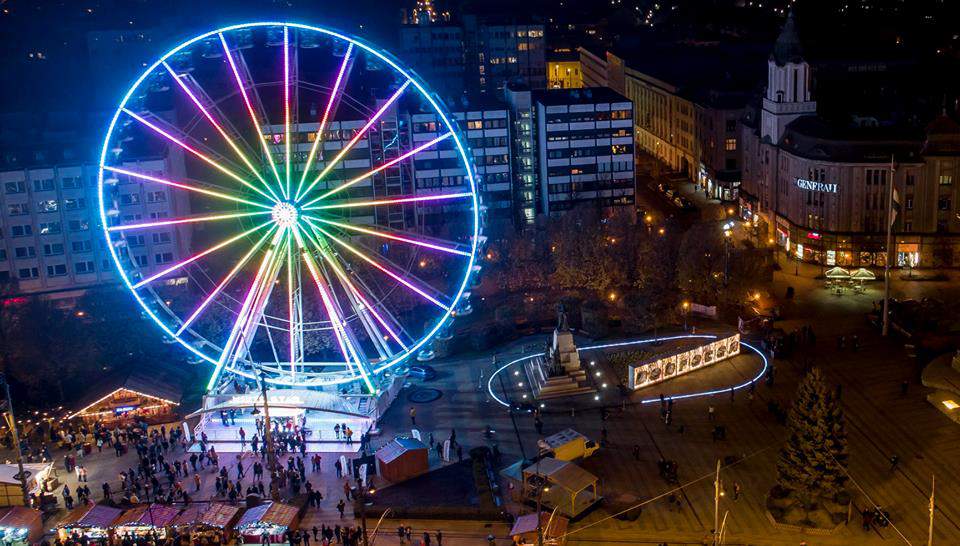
{"type": "Point", "coordinates": [319, 378]}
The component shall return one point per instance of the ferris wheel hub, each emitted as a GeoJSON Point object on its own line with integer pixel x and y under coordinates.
{"type": "Point", "coordinates": [285, 214]}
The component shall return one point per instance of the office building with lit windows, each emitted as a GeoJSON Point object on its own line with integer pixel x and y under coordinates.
{"type": "Point", "coordinates": [584, 148]}
{"type": "Point", "coordinates": [51, 238]}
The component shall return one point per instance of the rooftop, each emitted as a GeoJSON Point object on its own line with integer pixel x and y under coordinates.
{"type": "Point", "coordinates": [586, 95]}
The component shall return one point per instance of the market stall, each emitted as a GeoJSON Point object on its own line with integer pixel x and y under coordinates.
{"type": "Point", "coordinates": [89, 520]}
{"type": "Point", "coordinates": [145, 520]}
{"type": "Point", "coordinates": [402, 459]}
{"type": "Point", "coordinates": [213, 522]}
{"type": "Point", "coordinates": [272, 519]}
{"type": "Point", "coordinates": [525, 530]}
{"type": "Point", "coordinates": [21, 526]}
{"type": "Point", "coordinates": [38, 475]}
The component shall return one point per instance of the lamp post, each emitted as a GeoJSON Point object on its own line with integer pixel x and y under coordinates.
{"type": "Point", "coordinates": [364, 495]}
{"type": "Point", "coordinates": [268, 438]}
{"type": "Point", "coordinates": [16, 440]}
{"type": "Point", "coordinates": [717, 493]}
{"type": "Point", "coordinates": [686, 309]}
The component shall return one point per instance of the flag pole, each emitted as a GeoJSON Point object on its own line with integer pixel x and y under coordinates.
{"type": "Point", "coordinates": [886, 264]}
{"type": "Point", "coordinates": [933, 485]}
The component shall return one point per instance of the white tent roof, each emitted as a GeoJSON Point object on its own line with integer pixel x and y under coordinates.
{"type": "Point", "coordinates": [8, 472]}
{"type": "Point", "coordinates": [837, 273]}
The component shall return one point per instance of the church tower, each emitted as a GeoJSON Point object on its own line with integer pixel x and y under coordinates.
{"type": "Point", "coordinates": [788, 93]}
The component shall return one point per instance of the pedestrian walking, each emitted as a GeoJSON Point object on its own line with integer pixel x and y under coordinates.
{"type": "Point", "coordinates": [439, 538]}
{"type": "Point", "coordinates": [894, 462]}
{"type": "Point", "coordinates": [736, 490]}
{"type": "Point", "coordinates": [340, 506]}
{"type": "Point", "coordinates": [712, 413]}
{"type": "Point", "coordinates": [413, 416]}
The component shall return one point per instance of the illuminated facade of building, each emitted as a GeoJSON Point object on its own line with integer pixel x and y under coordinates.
{"type": "Point", "coordinates": [564, 74]}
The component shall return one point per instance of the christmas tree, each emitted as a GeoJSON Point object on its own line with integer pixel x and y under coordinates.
{"type": "Point", "coordinates": [812, 464]}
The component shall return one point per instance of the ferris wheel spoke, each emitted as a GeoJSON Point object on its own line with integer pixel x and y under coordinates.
{"type": "Point", "coordinates": [196, 257]}
{"type": "Point", "coordinates": [351, 288]}
{"type": "Point", "coordinates": [194, 151]}
{"type": "Point", "coordinates": [394, 201]}
{"type": "Point", "coordinates": [291, 322]}
{"type": "Point", "coordinates": [246, 100]}
{"type": "Point", "coordinates": [379, 168]}
{"type": "Point", "coordinates": [256, 288]}
{"type": "Point", "coordinates": [181, 185]}
{"type": "Point", "coordinates": [363, 256]}
{"type": "Point", "coordinates": [332, 102]}
{"type": "Point", "coordinates": [385, 235]}
{"type": "Point", "coordinates": [226, 280]}
{"type": "Point", "coordinates": [220, 129]}
{"type": "Point", "coordinates": [349, 353]}
{"type": "Point", "coordinates": [286, 110]}
{"type": "Point", "coordinates": [356, 138]}
{"type": "Point", "coordinates": [190, 220]}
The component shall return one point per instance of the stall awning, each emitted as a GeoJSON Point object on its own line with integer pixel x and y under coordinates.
{"type": "Point", "coordinates": [153, 515]}
{"type": "Point", "coordinates": [863, 274]}
{"type": "Point", "coordinates": [551, 528]}
{"type": "Point", "coordinates": [21, 517]}
{"type": "Point", "coordinates": [10, 473]}
{"type": "Point", "coordinates": [271, 513]}
{"type": "Point", "coordinates": [837, 273]}
{"type": "Point", "coordinates": [94, 515]}
{"type": "Point", "coordinates": [218, 515]}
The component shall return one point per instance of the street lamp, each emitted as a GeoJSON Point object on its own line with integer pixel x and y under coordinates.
{"type": "Point", "coordinates": [16, 440]}
{"type": "Point", "coordinates": [364, 497]}
{"type": "Point", "coordinates": [686, 308]}
{"type": "Point", "coordinates": [649, 221]}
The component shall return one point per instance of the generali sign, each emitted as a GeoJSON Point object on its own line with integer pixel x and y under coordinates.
{"type": "Point", "coordinates": [813, 185]}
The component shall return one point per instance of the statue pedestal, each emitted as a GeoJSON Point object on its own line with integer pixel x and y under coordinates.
{"type": "Point", "coordinates": [558, 373]}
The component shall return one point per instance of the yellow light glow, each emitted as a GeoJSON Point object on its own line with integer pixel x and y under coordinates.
{"type": "Point", "coordinates": [950, 405]}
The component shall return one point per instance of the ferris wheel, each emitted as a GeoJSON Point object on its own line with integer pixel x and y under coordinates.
{"type": "Point", "coordinates": [324, 240]}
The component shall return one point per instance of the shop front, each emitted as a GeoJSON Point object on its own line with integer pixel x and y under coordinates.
{"type": "Point", "coordinates": [267, 524]}
{"type": "Point", "coordinates": [142, 521]}
{"type": "Point", "coordinates": [21, 526]}
{"type": "Point", "coordinates": [92, 521]}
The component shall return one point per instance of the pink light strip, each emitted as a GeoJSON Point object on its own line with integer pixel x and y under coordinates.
{"type": "Point", "coordinates": [389, 236]}
{"type": "Point", "coordinates": [196, 257]}
{"type": "Point", "coordinates": [185, 187]}
{"type": "Point", "coordinates": [386, 271]}
{"type": "Point", "coordinates": [290, 306]}
{"type": "Point", "coordinates": [286, 105]}
{"type": "Point", "coordinates": [346, 280]}
{"type": "Point", "coordinates": [398, 201]}
{"type": "Point", "coordinates": [190, 149]}
{"type": "Point", "coordinates": [386, 165]}
{"type": "Point", "coordinates": [325, 118]}
{"type": "Point", "coordinates": [253, 115]}
{"type": "Point", "coordinates": [220, 130]}
{"type": "Point", "coordinates": [187, 220]}
{"type": "Point", "coordinates": [226, 280]}
{"type": "Point", "coordinates": [363, 130]}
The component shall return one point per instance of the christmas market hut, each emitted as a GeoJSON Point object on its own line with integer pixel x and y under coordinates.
{"type": "Point", "coordinates": [402, 459]}
{"type": "Point", "coordinates": [524, 530]}
{"type": "Point", "coordinates": [21, 526]}
{"type": "Point", "coordinates": [145, 520]}
{"type": "Point", "coordinates": [92, 521]}
{"type": "Point", "coordinates": [213, 521]}
{"type": "Point", "coordinates": [272, 519]}
{"type": "Point", "coordinates": [37, 474]}
{"type": "Point", "coordinates": [152, 395]}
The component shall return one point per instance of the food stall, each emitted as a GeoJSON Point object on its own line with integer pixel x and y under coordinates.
{"type": "Point", "coordinates": [90, 520]}
{"type": "Point", "coordinates": [212, 521]}
{"type": "Point", "coordinates": [272, 518]}
{"type": "Point", "coordinates": [41, 478]}
{"type": "Point", "coordinates": [21, 526]}
{"type": "Point", "coordinates": [145, 520]}
{"type": "Point", "coordinates": [402, 459]}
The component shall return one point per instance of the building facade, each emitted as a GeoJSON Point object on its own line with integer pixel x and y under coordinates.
{"type": "Point", "coordinates": [52, 242]}
{"type": "Point", "coordinates": [826, 193]}
{"type": "Point", "coordinates": [584, 148]}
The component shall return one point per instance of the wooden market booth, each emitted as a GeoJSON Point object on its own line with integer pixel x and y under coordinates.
{"type": "Point", "coordinates": [38, 475]}
{"type": "Point", "coordinates": [145, 519]}
{"type": "Point", "coordinates": [152, 395]}
{"type": "Point", "coordinates": [524, 530]}
{"type": "Point", "coordinates": [213, 521]}
{"type": "Point", "coordinates": [402, 459]}
{"type": "Point", "coordinates": [271, 518]}
{"type": "Point", "coordinates": [21, 526]}
{"type": "Point", "coordinates": [90, 520]}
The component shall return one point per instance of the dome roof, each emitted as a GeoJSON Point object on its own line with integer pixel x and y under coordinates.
{"type": "Point", "coordinates": [787, 48]}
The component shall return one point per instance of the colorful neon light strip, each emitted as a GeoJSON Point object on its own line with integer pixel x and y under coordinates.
{"type": "Point", "coordinates": [345, 279]}
{"type": "Point", "coordinates": [226, 280]}
{"type": "Point", "coordinates": [356, 138]}
{"type": "Point", "coordinates": [185, 187]}
{"type": "Point", "coordinates": [397, 201]}
{"type": "Point", "coordinates": [221, 130]}
{"type": "Point", "coordinates": [286, 106]}
{"type": "Point", "coordinates": [196, 257]}
{"type": "Point", "coordinates": [195, 219]}
{"type": "Point", "coordinates": [326, 117]}
{"type": "Point", "coordinates": [386, 165]}
{"type": "Point", "coordinates": [338, 327]}
{"type": "Point", "coordinates": [290, 306]}
{"type": "Point", "coordinates": [386, 271]}
{"type": "Point", "coordinates": [195, 152]}
{"type": "Point", "coordinates": [388, 236]}
{"type": "Point", "coordinates": [246, 100]}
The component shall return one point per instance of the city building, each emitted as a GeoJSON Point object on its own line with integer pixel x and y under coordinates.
{"type": "Point", "coordinates": [584, 148]}
{"type": "Point", "coordinates": [487, 129]}
{"type": "Point", "coordinates": [474, 54]}
{"type": "Point", "coordinates": [822, 186]}
{"type": "Point", "coordinates": [51, 239]}
{"type": "Point", "coordinates": [563, 70]}
{"type": "Point", "coordinates": [688, 101]}
{"type": "Point", "coordinates": [524, 155]}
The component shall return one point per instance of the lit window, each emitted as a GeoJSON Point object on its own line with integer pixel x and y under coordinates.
{"type": "Point", "coordinates": [730, 144]}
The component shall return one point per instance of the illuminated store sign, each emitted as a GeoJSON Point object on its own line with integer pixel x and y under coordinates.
{"type": "Point", "coordinates": [812, 185]}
